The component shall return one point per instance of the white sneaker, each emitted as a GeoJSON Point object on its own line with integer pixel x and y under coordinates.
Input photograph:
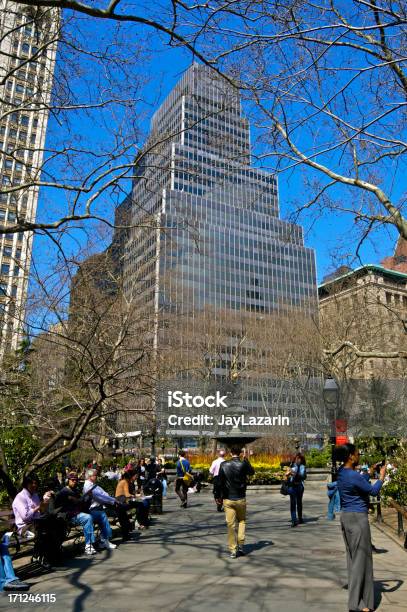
{"type": "Point", "coordinates": [89, 550]}
{"type": "Point", "coordinates": [107, 544]}
{"type": "Point", "coordinates": [28, 535]}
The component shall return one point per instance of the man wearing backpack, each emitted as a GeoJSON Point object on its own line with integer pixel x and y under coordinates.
{"type": "Point", "coordinates": [99, 499]}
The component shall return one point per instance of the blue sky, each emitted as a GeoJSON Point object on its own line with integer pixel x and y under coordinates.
{"type": "Point", "coordinates": [330, 234]}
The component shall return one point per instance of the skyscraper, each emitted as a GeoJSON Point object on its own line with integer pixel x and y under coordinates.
{"type": "Point", "coordinates": [27, 58]}
{"type": "Point", "coordinates": [208, 245]}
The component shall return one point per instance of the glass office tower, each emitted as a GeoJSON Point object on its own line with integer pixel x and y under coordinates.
{"type": "Point", "coordinates": [211, 259]}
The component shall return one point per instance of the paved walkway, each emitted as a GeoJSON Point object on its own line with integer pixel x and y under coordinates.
{"type": "Point", "coordinates": [181, 564]}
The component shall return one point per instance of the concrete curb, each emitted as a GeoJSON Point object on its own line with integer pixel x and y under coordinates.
{"type": "Point", "coordinates": [389, 534]}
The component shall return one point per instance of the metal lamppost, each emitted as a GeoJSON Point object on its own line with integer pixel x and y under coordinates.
{"type": "Point", "coordinates": [331, 395]}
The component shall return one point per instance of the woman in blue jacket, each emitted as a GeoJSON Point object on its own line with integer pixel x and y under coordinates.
{"type": "Point", "coordinates": [295, 478]}
{"type": "Point", "coordinates": [354, 491]}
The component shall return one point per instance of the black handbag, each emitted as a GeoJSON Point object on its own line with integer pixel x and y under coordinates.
{"type": "Point", "coordinates": [284, 488]}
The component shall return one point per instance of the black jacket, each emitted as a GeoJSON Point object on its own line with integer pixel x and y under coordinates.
{"type": "Point", "coordinates": [69, 500]}
{"type": "Point", "coordinates": [233, 478]}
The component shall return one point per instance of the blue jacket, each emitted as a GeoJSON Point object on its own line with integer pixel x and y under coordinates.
{"type": "Point", "coordinates": [334, 504]}
{"type": "Point", "coordinates": [187, 467]}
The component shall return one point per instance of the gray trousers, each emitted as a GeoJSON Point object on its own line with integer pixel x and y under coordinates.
{"type": "Point", "coordinates": [356, 534]}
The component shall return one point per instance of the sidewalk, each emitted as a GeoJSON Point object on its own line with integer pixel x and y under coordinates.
{"type": "Point", "coordinates": [181, 564]}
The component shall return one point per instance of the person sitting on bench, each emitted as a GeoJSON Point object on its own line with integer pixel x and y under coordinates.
{"type": "Point", "coordinates": [8, 580]}
{"type": "Point", "coordinates": [99, 498]}
{"type": "Point", "coordinates": [70, 502]}
{"type": "Point", "coordinates": [32, 513]}
{"type": "Point", "coordinates": [124, 495]}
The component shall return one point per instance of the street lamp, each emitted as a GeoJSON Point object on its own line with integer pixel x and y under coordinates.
{"type": "Point", "coordinates": [331, 395]}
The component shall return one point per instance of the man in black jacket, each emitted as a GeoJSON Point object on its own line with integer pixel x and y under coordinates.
{"type": "Point", "coordinates": [232, 483]}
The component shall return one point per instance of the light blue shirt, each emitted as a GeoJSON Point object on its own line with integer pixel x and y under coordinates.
{"type": "Point", "coordinates": [99, 495]}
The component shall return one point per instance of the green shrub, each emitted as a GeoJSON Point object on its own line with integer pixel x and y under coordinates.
{"type": "Point", "coordinates": [266, 476]}
{"type": "Point", "coordinates": [316, 458]}
{"type": "Point", "coordinates": [396, 488]}
{"type": "Point", "coordinates": [108, 485]}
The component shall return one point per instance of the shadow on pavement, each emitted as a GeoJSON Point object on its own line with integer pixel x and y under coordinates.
{"type": "Point", "coordinates": [383, 586]}
{"type": "Point", "coordinates": [249, 548]}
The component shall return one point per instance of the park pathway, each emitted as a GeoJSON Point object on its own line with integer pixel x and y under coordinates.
{"type": "Point", "coordinates": [181, 564]}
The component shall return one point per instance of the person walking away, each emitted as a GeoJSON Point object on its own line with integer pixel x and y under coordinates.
{"type": "Point", "coordinates": [184, 478]}
{"type": "Point", "coordinates": [354, 491]}
{"type": "Point", "coordinates": [295, 478]}
{"type": "Point", "coordinates": [232, 483]}
{"type": "Point", "coordinates": [214, 470]}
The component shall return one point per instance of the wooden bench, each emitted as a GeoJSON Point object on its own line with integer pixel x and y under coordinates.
{"type": "Point", "coordinates": [17, 543]}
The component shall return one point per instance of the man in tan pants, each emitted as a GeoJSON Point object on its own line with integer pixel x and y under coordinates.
{"type": "Point", "coordinates": [232, 483]}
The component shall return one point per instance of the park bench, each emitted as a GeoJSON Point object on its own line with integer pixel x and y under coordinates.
{"type": "Point", "coordinates": [16, 543]}
{"type": "Point", "coordinates": [19, 546]}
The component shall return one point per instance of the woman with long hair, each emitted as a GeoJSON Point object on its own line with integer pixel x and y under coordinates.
{"type": "Point", "coordinates": [124, 495]}
{"type": "Point", "coordinates": [295, 476]}
{"type": "Point", "coordinates": [354, 491]}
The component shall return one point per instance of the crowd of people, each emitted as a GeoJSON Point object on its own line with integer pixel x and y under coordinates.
{"type": "Point", "coordinates": [82, 502]}
{"type": "Point", "coordinates": [76, 499]}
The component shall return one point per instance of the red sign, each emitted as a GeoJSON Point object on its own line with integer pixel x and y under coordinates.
{"type": "Point", "coordinates": [341, 428]}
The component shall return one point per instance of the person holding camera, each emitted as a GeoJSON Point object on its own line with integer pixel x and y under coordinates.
{"type": "Point", "coordinates": [295, 476]}
{"type": "Point", "coordinates": [355, 492]}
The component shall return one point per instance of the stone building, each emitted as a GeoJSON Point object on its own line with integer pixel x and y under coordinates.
{"type": "Point", "coordinates": [367, 307]}
{"type": "Point", "coordinates": [363, 319]}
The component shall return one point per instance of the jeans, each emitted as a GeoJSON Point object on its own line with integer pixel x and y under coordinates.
{"type": "Point", "coordinates": [7, 574]}
{"type": "Point", "coordinates": [181, 489]}
{"type": "Point", "coordinates": [165, 486]}
{"type": "Point", "coordinates": [100, 517]}
{"type": "Point", "coordinates": [85, 521]}
{"type": "Point", "coordinates": [296, 494]}
{"type": "Point", "coordinates": [235, 512]}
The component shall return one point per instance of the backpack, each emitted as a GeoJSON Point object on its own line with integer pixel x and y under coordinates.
{"type": "Point", "coordinates": [86, 500]}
